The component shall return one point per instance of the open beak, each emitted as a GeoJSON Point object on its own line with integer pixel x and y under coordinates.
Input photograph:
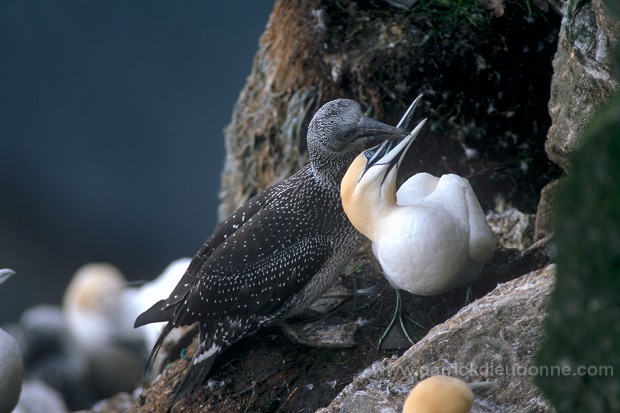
{"type": "Point", "coordinates": [385, 150]}
{"type": "Point", "coordinates": [370, 130]}
{"type": "Point", "coordinates": [406, 119]}
{"type": "Point", "coordinates": [392, 154]}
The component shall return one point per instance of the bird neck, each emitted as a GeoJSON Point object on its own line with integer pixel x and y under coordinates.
{"type": "Point", "coordinates": [368, 201]}
{"type": "Point", "coordinates": [329, 168]}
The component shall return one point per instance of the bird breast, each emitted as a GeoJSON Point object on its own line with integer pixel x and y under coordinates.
{"type": "Point", "coordinates": [423, 249]}
{"type": "Point", "coordinates": [427, 242]}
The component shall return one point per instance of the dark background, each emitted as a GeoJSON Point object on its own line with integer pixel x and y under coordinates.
{"type": "Point", "coordinates": [111, 142]}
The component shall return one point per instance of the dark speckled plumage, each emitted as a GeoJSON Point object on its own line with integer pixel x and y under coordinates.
{"type": "Point", "coordinates": [278, 252]}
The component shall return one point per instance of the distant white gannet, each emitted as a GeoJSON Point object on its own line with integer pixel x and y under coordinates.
{"type": "Point", "coordinates": [443, 394]}
{"type": "Point", "coordinates": [95, 311]}
{"type": "Point", "coordinates": [11, 364]}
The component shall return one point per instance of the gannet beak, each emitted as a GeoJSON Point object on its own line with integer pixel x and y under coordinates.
{"type": "Point", "coordinates": [388, 153]}
{"type": "Point", "coordinates": [387, 145]}
{"type": "Point", "coordinates": [370, 130]}
{"type": "Point", "coordinates": [406, 119]}
{"type": "Point", "coordinates": [5, 273]}
{"type": "Point", "coordinates": [396, 155]}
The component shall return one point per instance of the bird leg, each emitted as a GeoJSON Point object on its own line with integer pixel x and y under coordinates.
{"type": "Point", "coordinates": [398, 313]}
{"type": "Point", "coordinates": [468, 294]}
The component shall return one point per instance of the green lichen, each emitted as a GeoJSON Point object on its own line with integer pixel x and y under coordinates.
{"type": "Point", "coordinates": [454, 13]}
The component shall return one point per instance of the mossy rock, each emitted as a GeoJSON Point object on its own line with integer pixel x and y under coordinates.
{"type": "Point", "coordinates": [485, 81]}
{"type": "Point", "coordinates": [583, 326]}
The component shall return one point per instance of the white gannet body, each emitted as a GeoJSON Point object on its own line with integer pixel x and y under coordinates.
{"type": "Point", "coordinates": [448, 238]}
{"type": "Point", "coordinates": [100, 307]}
{"type": "Point", "coordinates": [139, 299]}
{"type": "Point", "coordinates": [429, 237]}
{"type": "Point", "coordinates": [94, 307]}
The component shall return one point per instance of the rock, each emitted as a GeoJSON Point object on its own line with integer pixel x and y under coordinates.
{"type": "Point", "coordinates": [492, 339]}
{"type": "Point", "coordinates": [335, 295]}
{"type": "Point", "coordinates": [11, 372]}
{"type": "Point", "coordinates": [542, 223]}
{"type": "Point", "coordinates": [583, 326]}
{"type": "Point", "coordinates": [362, 402]}
{"type": "Point", "coordinates": [331, 332]}
{"type": "Point", "coordinates": [119, 403]}
{"type": "Point", "coordinates": [512, 228]}
{"type": "Point", "coordinates": [39, 397]}
{"type": "Point", "coordinates": [582, 78]}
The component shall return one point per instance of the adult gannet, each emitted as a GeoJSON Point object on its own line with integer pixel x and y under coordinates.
{"type": "Point", "coordinates": [429, 237]}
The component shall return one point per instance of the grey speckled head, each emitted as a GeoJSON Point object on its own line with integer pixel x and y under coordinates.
{"type": "Point", "coordinates": [338, 132]}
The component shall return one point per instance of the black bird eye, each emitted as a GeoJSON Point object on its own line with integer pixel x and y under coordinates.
{"type": "Point", "coordinates": [369, 153]}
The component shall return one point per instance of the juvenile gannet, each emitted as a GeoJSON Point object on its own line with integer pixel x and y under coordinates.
{"type": "Point", "coordinates": [278, 252]}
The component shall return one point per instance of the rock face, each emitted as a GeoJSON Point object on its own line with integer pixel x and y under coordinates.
{"type": "Point", "coordinates": [511, 228]}
{"type": "Point", "coordinates": [492, 339]}
{"type": "Point", "coordinates": [587, 237]}
{"type": "Point", "coordinates": [582, 78]}
{"type": "Point", "coordinates": [465, 61]}
{"type": "Point", "coordinates": [544, 211]}
{"type": "Point", "coordinates": [586, 224]}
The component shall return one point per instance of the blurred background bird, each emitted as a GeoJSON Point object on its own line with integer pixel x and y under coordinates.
{"type": "Point", "coordinates": [87, 349]}
{"type": "Point", "coordinates": [100, 307]}
{"type": "Point", "coordinates": [106, 109]}
{"type": "Point", "coordinates": [11, 364]}
{"type": "Point", "coordinates": [443, 394]}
